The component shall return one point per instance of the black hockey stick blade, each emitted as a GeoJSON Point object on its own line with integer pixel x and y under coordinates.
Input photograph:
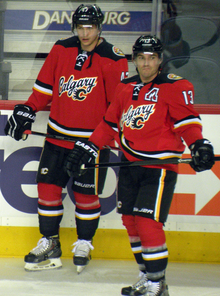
{"type": "Point", "coordinates": [141, 162]}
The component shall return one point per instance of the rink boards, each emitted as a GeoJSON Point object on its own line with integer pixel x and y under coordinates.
{"type": "Point", "coordinates": [193, 226]}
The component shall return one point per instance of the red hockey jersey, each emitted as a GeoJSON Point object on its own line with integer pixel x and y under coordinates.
{"type": "Point", "coordinates": [79, 86]}
{"type": "Point", "coordinates": [151, 119]}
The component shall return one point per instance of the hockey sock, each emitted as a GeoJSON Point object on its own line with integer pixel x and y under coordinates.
{"type": "Point", "coordinates": [50, 208]}
{"type": "Point", "coordinates": [87, 215]}
{"type": "Point", "coordinates": [135, 242]}
{"type": "Point", "coordinates": [154, 249]}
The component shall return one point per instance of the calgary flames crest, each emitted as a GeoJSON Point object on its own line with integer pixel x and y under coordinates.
{"type": "Point", "coordinates": [135, 118]}
{"type": "Point", "coordinates": [77, 89]}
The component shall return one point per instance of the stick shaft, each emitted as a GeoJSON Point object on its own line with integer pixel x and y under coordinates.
{"type": "Point", "coordinates": [62, 138]}
{"type": "Point", "coordinates": [57, 137]}
{"type": "Point", "coordinates": [139, 163]}
{"type": "Point", "coordinates": [118, 164]}
{"type": "Point", "coordinates": [213, 39]}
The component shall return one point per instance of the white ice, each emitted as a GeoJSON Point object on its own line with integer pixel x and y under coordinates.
{"type": "Point", "coordinates": [103, 277]}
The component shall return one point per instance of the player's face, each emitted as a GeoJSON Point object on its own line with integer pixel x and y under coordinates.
{"type": "Point", "coordinates": [147, 65]}
{"type": "Point", "coordinates": [88, 36]}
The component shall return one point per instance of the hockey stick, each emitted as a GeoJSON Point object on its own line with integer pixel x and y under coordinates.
{"type": "Point", "coordinates": [58, 137]}
{"type": "Point", "coordinates": [142, 162]}
{"type": "Point", "coordinates": [213, 39]}
{"type": "Point", "coordinates": [117, 164]}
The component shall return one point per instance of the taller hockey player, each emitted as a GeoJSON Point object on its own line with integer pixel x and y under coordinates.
{"type": "Point", "coordinates": [78, 79]}
{"type": "Point", "coordinates": [150, 114]}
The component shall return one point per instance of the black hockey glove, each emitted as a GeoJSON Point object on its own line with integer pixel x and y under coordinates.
{"type": "Point", "coordinates": [20, 121]}
{"type": "Point", "coordinates": [202, 155]}
{"type": "Point", "coordinates": [83, 152]}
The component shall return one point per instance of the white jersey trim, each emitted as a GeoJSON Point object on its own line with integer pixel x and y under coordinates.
{"type": "Point", "coordinates": [161, 155]}
{"type": "Point", "coordinates": [67, 132]}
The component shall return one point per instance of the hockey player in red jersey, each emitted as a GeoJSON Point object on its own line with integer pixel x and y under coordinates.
{"type": "Point", "coordinates": [150, 115]}
{"type": "Point", "coordinates": [78, 79]}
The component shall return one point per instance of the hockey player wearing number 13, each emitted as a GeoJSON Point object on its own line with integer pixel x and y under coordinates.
{"type": "Point", "coordinates": [150, 114]}
{"type": "Point", "coordinates": [78, 78]}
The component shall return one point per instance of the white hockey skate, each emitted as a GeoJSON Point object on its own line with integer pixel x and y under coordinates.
{"type": "Point", "coordinates": [82, 249]}
{"type": "Point", "coordinates": [157, 288]}
{"type": "Point", "coordinates": [46, 255]}
{"type": "Point", "coordinates": [139, 288]}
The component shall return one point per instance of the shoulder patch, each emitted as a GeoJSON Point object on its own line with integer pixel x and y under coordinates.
{"type": "Point", "coordinates": [117, 51]}
{"type": "Point", "coordinates": [174, 77]}
{"type": "Point", "coordinates": [110, 51]}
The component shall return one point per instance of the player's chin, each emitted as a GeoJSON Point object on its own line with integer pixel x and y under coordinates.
{"type": "Point", "coordinates": [146, 71]}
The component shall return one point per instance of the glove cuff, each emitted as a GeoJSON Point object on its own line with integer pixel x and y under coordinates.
{"type": "Point", "coordinates": [199, 143]}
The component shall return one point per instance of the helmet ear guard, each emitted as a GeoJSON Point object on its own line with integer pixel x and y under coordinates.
{"type": "Point", "coordinates": [147, 44]}
{"type": "Point", "coordinates": [87, 15]}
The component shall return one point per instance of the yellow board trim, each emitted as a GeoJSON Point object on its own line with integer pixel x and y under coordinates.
{"type": "Point", "coordinates": [114, 244]}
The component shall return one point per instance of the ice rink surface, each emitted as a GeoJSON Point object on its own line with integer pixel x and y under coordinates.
{"type": "Point", "coordinates": [103, 277]}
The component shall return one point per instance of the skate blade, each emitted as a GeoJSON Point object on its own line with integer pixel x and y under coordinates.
{"type": "Point", "coordinates": [54, 263]}
{"type": "Point", "coordinates": [80, 268]}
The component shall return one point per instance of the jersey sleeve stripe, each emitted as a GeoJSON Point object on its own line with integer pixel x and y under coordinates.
{"type": "Point", "coordinates": [43, 87]}
{"type": "Point", "coordinates": [39, 89]}
{"type": "Point", "coordinates": [188, 121]}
